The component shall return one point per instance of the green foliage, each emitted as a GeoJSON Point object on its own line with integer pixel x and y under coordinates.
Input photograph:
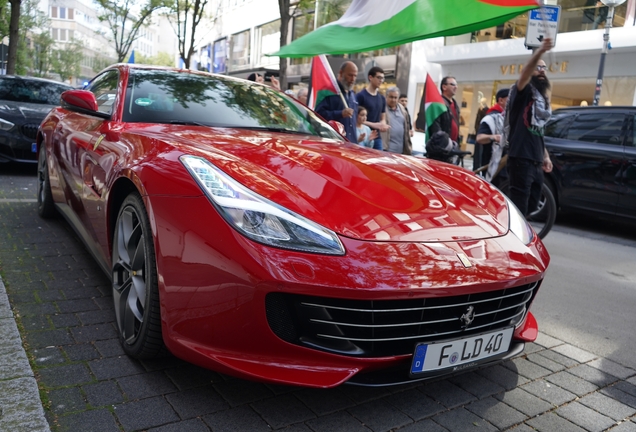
{"type": "Point", "coordinates": [100, 63]}
{"type": "Point", "coordinates": [67, 61]}
{"type": "Point", "coordinates": [41, 53]}
{"type": "Point", "coordinates": [123, 24]}
{"type": "Point", "coordinates": [331, 10]}
{"type": "Point", "coordinates": [161, 59]}
{"type": "Point", "coordinates": [33, 20]}
{"type": "Point", "coordinates": [5, 16]}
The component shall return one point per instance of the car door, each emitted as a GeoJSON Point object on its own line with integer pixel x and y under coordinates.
{"type": "Point", "coordinates": [589, 158]}
{"type": "Point", "coordinates": [627, 197]}
{"type": "Point", "coordinates": [95, 160]}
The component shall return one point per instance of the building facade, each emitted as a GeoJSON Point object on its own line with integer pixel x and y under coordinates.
{"type": "Point", "coordinates": [491, 59]}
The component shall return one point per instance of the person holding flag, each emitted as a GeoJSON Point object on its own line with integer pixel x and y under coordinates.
{"type": "Point", "coordinates": [432, 108]}
{"type": "Point", "coordinates": [335, 100]}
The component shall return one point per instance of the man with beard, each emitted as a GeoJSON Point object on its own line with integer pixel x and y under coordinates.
{"type": "Point", "coordinates": [526, 116]}
{"type": "Point", "coordinates": [333, 107]}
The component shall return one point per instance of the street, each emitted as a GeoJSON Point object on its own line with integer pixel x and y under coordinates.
{"type": "Point", "coordinates": [580, 375]}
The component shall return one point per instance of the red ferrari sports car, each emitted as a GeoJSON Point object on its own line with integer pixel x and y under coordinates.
{"type": "Point", "coordinates": [242, 233]}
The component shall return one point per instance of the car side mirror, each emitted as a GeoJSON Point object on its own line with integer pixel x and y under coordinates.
{"type": "Point", "coordinates": [337, 126]}
{"type": "Point", "coordinates": [82, 101]}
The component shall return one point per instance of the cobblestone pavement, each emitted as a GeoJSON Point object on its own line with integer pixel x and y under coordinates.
{"type": "Point", "coordinates": [62, 304]}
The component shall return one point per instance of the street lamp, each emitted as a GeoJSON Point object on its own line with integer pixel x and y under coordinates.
{"type": "Point", "coordinates": [608, 24]}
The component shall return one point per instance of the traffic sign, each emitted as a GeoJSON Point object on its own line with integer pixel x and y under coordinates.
{"type": "Point", "coordinates": [542, 23]}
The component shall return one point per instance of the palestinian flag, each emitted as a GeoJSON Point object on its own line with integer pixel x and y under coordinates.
{"type": "Point", "coordinates": [431, 107]}
{"type": "Point", "coordinates": [322, 82]}
{"type": "Point", "coordinates": [373, 24]}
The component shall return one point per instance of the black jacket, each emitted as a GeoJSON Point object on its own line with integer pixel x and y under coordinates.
{"type": "Point", "coordinates": [443, 122]}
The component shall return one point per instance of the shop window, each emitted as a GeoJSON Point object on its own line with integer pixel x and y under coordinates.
{"type": "Point", "coordinates": [604, 128]}
{"type": "Point", "coordinates": [302, 25]}
{"type": "Point", "coordinates": [240, 49]}
{"type": "Point", "coordinates": [576, 15]}
{"type": "Point", "coordinates": [269, 42]}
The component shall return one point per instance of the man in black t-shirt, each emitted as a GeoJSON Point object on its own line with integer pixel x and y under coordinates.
{"type": "Point", "coordinates": [526, 115]}
{"type": "Point", "coordinates": [375, 103]}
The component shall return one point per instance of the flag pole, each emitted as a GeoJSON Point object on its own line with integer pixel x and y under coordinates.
{"type": "Point", "coordinates": [344, 101]}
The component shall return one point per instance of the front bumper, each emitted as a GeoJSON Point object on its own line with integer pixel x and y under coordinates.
{"type": "Point", "coordinates": [214, 285]}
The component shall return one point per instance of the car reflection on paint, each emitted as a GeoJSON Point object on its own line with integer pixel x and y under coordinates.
{"type": "Point", "coordinates": [242, 233]}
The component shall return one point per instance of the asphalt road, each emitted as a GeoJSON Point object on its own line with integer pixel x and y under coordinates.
{"type": "Point", "coordinates": [580, 375]}
{"type": "Point", "coordinates": [588, 297]}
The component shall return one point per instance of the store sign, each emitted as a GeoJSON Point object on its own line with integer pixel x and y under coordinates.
{"type": "Point", "coordinates": [514, 69]}
{"type": "Point", "coordinates": [542, 23]}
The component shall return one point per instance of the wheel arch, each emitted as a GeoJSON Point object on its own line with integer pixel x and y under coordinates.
{"type": "Point", "coordinates": [122, 187]}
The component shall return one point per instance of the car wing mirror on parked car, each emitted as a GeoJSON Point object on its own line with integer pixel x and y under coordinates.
{"type": "Point", "coordinates": [82, 101]}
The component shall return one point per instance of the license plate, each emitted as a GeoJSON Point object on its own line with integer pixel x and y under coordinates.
{"type": "Point", "coordinates": [34, 147]}
{"type": "Point", "coordinates": [466, 351]}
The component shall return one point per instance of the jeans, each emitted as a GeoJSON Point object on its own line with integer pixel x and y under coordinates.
{"type": "Point", "coordinates": [526, 181]}
{"type": "Point", "coordinates": [377, 143]}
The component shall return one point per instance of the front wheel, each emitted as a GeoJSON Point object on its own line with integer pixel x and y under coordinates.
{"type": "Point", "coordinates": [135, 290]}
{"type": "Point", "coordinates": [543, 217]}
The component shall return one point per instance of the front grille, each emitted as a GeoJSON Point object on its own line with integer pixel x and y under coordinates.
{"type": "Point", "coordinates": [379, 328]}
{"type": "Point", "coordinates": [30, 130]}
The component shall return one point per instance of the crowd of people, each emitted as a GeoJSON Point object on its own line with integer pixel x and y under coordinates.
{"type": "Point", "coordinates": [514, 125]}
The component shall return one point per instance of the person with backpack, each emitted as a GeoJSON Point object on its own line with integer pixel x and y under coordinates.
{"type": "Point", "coordinates": [490, 129]}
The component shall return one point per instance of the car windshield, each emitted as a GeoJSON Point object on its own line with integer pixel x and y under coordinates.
{"type": "Point", "coordinates": [31, 91]}
{"type": "Point", "coordinates": [158, 96]}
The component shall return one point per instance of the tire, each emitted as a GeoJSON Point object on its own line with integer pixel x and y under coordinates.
{"type": "Point", "coordinates": [46, 206]}
{"type": "Point", "coordinates": [542, 219]}
{"type": "Point", "coordinates": [135, 290]}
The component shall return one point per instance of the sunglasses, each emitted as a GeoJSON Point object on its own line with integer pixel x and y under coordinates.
{"type": "Point", "coordinates": [542, 68]}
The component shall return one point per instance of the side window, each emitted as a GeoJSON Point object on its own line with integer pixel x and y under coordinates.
{"type": "Point", "coordinates": [104, 87]}
{"type": "Point", "coordinates": [603, 128]}
{"type": "Point", "coordinates": [631, 136]}
{"type": "Point", "coordinates": [557, 126]}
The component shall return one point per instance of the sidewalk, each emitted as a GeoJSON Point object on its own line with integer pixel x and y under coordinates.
{"type": "Point", "coordinates": [20, 406]}
{"type": "Point", "coordinates": [63, 303]}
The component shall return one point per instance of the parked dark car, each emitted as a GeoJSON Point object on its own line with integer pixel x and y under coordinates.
{"type": "Point", "coordinates": [24, 102]}
{"type": "Point", "coordinates": [594, 155]}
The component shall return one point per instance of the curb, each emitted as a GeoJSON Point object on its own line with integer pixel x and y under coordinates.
{"type": "Point", "coordinates": [20, 404]}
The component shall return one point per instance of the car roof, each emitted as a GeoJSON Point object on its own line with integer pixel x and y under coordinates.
{"type": "Point", "coordinates": [594, 108]}
{"type": "Point", "coordinates": [28, 78]}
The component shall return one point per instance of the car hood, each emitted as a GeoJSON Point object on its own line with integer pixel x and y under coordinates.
{"type": "Point", "coordinates": [354, 191]}
{"type": "Point", "coordinates": [27, 111]}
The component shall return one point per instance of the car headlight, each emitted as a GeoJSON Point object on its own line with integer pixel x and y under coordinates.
{"type": "Point", "coordinates": [518, 224]}
{"type": "Point", "coordinates": [259, 218]}
{"type": "Point", "coordinates": [5, 125]}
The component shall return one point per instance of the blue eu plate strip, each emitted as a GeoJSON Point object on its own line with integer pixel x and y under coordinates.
{"type": "Point", "coordinates": [418, 359]}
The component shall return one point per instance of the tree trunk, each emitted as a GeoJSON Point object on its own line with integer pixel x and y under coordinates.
{"type": "Point", "coordinates": [14, 36]}
{"type": "Point", "coordinates": [284, 30]}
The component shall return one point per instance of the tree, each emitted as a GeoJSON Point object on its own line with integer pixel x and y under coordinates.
{"type": "Point", "coordinates": [185, 16]}
{"type": "Point", "coordinates": [123, 24]}
{"type": "Point", "coordinates": [42, 53]}
{"type": "Point", "coordinates": [14, 36]}
{"type": "Point", "coordinates": [286, 14]}
{"type": "Point", "coordinates": [161, 59]}
{"type": "Point", "coordinates": [67, 60]}
{"type": "Point", "coordinates": [5, 16]}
